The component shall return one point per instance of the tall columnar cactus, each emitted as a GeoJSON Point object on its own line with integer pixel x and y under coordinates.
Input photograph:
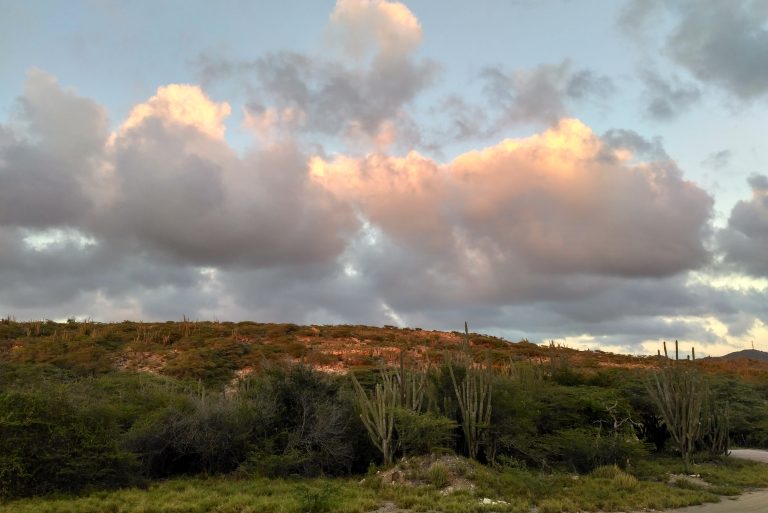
{"type": "Point", "coordinates": [377, 411]}
{"type": "Point", "coordinates": [716, 420]}
{"type": "Point", "coordinates": [412, 384]}
{"type": "Point", "coordinates": [474, 395]}
{"type": "Point", "coordinates": [679, 392]}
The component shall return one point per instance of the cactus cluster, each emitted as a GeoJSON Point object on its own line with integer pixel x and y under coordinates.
{"type": "Point", "coordinates": [691, 413]}
{"type": "Point", "coordinates": [474, 395]}
{"type": "Point", "coordinates": [403, 388]}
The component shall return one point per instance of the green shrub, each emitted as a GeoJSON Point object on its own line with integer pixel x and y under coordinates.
{"type": "Point", "coordinates": [584, 449]}
{"type": "Point", "coordinates": [423, 433]}
{"type": "Point", "coordinates": [47, 445]}
{"type": "Point", "coordinates": [208, 434]}
{"type": "Point", "coordinates": [305, 423]}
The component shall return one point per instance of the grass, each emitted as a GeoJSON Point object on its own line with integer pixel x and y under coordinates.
{"type": "Point", "coordinates": [513, 490]}
{"type": "Point", "coordinates": [215, 494]}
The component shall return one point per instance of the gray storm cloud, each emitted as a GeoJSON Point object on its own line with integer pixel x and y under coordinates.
{"type": "Point", "coordinates": [46, 164]}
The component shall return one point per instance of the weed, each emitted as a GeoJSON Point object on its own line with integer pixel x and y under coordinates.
{"type": "Point", "coordinates": [438, 475]}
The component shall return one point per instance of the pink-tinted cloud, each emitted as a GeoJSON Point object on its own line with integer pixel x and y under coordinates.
{"type": "Point", "coordinates": [389, 30]}
{"type": "Point", "coordinates": [182, 104]}
{"type": "Point", "coordinates": [559, 202]}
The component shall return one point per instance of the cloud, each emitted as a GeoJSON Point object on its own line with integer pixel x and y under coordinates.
{"type": "Point", "coordinates": [665, 100]}
{"type": "Point", "coordinates": [553, 235]}
{"type": "Point", "coordinates": [745, 240]}
{"type": "Point", "coordinates": [630, 143]}
{"type": "Point", "coordinates": [722, 43]}
{"type": "Point", "coordinates": [508, 222]}
{"type": "Point", "coordinates": [541, 93]}
{"type": "Point", "coordinates": [46, 166]}
{"type": "Point", "coordinates": [718, 160]}
{"type": "Point", "coordinates": [359, 91]}
{"type": "Point", "coordinates": [185, 105]}
{"type": "Point", "coordinates": [133, 223]}
{"type": "Point", "coordinates": [183, 192]}
{"type": "Point", "coordinates": [388, 30]}
{"type": "Point", "coordinates": [726, 44]}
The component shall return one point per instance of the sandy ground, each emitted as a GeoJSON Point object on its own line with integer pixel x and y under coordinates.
{"type": "Point", "coordinates": [753, 502]}
{"type": "Point", "coordinates": [751, 454]}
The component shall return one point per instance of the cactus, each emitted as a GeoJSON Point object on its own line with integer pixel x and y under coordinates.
{"type": "Point", "coordinates": [679, 392]}
{"type": "Point", "coordinates": [693, 417]}
{"type": "Point", "coordinates": [412, 384]}
{"type": "Point", "coordinates": [474, 395]}
{"type": "Point", "coordinates": [403, 388]}
{"type": "Point", "coordinates": [716, 427]}
{"type": "Point", "coordinates": [377, 411]}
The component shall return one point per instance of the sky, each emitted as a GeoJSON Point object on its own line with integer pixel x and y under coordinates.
{"type": "Point", "coordinates": [589, 172]}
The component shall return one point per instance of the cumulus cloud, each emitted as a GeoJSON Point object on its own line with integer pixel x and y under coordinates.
{"type": "Point", "coordinates": [388, 30]}
{"type": "Point", "coordinates": [560, 233]}
{"type": "Point", "coordinates": [508, 222]}
{"type": "Point", "coordinates": [150, 206]}
{"type": "Point", "coordinates": [182, 104]}
{"type": "Point", "coordinates": [359, 92]}
{"type": "Point", "coordinates": [45, 164]}
{"type": "Point", "coordinates": [725, 43]}
{"type": "Point", "coordinates": [745, 240]}
{"type": "Point", "coordinates": [185, 193]}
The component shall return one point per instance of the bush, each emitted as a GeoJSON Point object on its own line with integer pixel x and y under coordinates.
{"type": "Point", "coordinates": [47, 445]}
{"type": "Point", "coordinates": [423, 433]}
{"type": "Point", "coordinates": [304, 426]}
{"type": "Point", "coordinates": [208, 434]}
{"type": "Point", "coordinates": [584, 449]}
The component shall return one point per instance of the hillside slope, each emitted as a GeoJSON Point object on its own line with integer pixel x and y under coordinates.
{"type": "Point", "coordinates": [218, 352]}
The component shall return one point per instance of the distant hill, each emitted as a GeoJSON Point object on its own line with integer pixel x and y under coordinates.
{"type": "Point", "coordinates": [752, 354]}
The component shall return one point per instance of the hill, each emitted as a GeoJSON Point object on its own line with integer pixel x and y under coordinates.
{"type": "Point", "coordinates": [222, 352]}
{"type": "Point", "coordinates": [751, 354]}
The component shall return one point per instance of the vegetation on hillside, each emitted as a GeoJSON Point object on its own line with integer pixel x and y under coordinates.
{"type": "Point", "coordinates": [88, 406]}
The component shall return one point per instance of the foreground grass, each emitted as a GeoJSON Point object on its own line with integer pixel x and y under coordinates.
{"type": "Point", "coordinates": [511, 490]}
